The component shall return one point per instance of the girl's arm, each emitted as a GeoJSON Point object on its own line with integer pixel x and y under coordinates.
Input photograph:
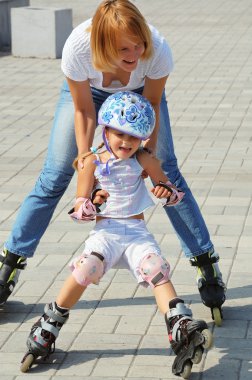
{"type": "Point", "coordinates": [84, 114]}
{"type": "Point", "coordinates": [84, 210]}
{"type": "Point", "coordinates": [85, 179]}
{"type": "Point", "coordinates": [153, 89]}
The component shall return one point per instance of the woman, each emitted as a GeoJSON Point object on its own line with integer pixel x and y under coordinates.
{"type": "Point", "coordinates": [116, 50]}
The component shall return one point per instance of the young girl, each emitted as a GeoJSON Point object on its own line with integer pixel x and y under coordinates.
{"type": "Point", "coordinates": [120, 234]}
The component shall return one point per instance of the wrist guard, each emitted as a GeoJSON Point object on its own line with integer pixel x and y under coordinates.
{"type": "Point", "coordinates": [85, 213]}
{"type": "Point", "coordinates": [176, 196]}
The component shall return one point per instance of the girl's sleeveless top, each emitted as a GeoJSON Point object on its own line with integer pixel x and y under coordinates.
{"type": "Point", "coordinates": [128, 193]}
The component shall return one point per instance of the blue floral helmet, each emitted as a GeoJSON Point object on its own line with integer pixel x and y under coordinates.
{"type": "Point", "coordinates": [129, 113]}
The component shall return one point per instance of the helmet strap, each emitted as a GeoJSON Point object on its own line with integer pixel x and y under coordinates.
{"type": "Point", "coordinates": [104, 137]}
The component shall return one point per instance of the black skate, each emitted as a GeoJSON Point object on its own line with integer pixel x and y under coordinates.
{"type": "Point", "coordinates": [41, 341]}
{"type": "Point", "coordinates": [10, 266]}
{"type": "Point", "coordinates": [211, 287]}
{"type": "Point", "coordinates": [188, 339]}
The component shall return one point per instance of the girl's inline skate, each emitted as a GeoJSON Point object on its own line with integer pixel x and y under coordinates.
{"type": "Point", "coordinates": [41, 341]}
{"type": "Point", "coordinates": [211, 287]}
{"type": "Point", "coordinates": [188, 338]}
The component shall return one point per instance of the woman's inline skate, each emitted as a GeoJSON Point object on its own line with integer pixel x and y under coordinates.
{"type": "Point", "coordinates": [41, 341]}
{"type": "Point", "coordinates": [10, 267]}
{"type": "Point", "coordinates": [211, 287]}
{"type": "Point", "coordinates": [188, 338]}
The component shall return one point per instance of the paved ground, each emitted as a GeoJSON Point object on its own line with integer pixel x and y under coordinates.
{"type": "Point", "coordinates": [115, 332]}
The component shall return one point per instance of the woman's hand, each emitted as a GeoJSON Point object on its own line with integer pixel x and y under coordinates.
{"type": "Point", "coordinates": [150, 146]}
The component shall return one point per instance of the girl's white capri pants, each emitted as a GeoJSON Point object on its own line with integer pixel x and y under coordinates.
{"type": "Point", "coordinates": [123, 243]}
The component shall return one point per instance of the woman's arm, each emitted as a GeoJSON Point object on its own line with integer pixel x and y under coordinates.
{"type": "Point", "coordinates": [163, 187]}
{"type": "Point", "coordinates": [153, 89]}
{"type": "Point", "coordinates": [152, 166]}
{"type": "Point", "coordinates": [84, 114]}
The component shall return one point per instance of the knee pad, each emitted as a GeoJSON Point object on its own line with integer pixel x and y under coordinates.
{"type": "Point", "coordinates": [88, 269]}
{"type": "Point", "coordinates": [154, 269]}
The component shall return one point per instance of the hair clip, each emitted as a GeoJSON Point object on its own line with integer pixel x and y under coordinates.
{"type": "Point", "coordinates": [93, 149]}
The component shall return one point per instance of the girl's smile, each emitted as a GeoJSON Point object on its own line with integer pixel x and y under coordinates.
{"type": "Point", "coordinates": [122, 145]}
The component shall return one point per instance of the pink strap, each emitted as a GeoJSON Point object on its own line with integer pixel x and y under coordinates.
{"type": "Point", "coordinates": [85, 213]}
{"type": "Point", "coordinates": [176, 197]}
{"type": "Point", "coordinates": [80, 199]}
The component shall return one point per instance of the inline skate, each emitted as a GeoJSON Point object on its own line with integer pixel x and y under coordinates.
{"type": "Point", "coordinates": [188, 338]}
{"type": "Point", "coordinates": [211, 287]}
{"type": "Point", "coordinates": [10, 266]}
{"type": "Point", "coordinates": [41, 340]}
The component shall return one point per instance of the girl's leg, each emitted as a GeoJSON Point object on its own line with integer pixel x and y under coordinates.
{"type": "Point", "coordinates": [188, 337]}
{"type": "Point", "coordinates": [70, 293]}
{"type": "Point", "coordinates": [164, 294]}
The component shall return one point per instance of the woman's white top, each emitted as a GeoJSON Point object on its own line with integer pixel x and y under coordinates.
{"type": "Point", "coordinates": [77, 65]}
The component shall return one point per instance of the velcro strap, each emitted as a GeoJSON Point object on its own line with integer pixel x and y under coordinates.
{"type": "Point", "coordinates": [204, 259]}
{"type": "Point", "coordinates": [162, 184]}
{"type": "Point", "coordinates": [57, 318]}
{"type": "Point", "coordinates": [48, 327]}
{"type": "Point", "coordinates": [12, 260]}
{"type": "Point", "coordinates": [85, 213]}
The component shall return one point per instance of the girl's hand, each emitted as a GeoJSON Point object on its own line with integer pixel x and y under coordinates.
{"type": "Point", "coordinates": [100, 197]}
{"type": "Point", "coordinates": [161, 192]}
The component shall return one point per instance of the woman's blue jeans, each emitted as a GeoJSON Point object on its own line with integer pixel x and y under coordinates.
{"type": "Point", "coordinates": [37, 209]}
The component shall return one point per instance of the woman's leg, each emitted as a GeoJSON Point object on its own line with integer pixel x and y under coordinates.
{"type": "Point", "coordinates": [38, 207]}
{"type": "Point", "coordinates": [189, 224]}
{"type": "Point", "coordinates": [186, 217]}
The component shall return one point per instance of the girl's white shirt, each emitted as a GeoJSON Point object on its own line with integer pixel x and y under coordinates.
{"type": "Point", "coordinates": [77, 65]}
{"type": "Point", "coordinates": [128, 194]}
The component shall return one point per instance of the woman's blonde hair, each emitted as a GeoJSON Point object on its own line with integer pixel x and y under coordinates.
{"type": "Point", "coordinates": [113, 17]}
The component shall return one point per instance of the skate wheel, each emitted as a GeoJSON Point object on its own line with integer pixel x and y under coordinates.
{"type": "Point", "coordinates": [187, 369]}
{"type": "Point", "coordinates": [197, 355]}
{"type": "Point", "coordinates": [217, 317]}
{"type": "Point", "coordinates": [208, 338]}
{"type": "Point", "coordinates": [27, 363]}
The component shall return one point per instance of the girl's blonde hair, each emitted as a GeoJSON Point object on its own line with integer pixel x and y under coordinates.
{"type": "Point", "coordinates": [111, 18]}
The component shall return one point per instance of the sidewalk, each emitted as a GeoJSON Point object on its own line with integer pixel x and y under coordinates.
{"type": "Point", "coordinates": [115, 332]}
